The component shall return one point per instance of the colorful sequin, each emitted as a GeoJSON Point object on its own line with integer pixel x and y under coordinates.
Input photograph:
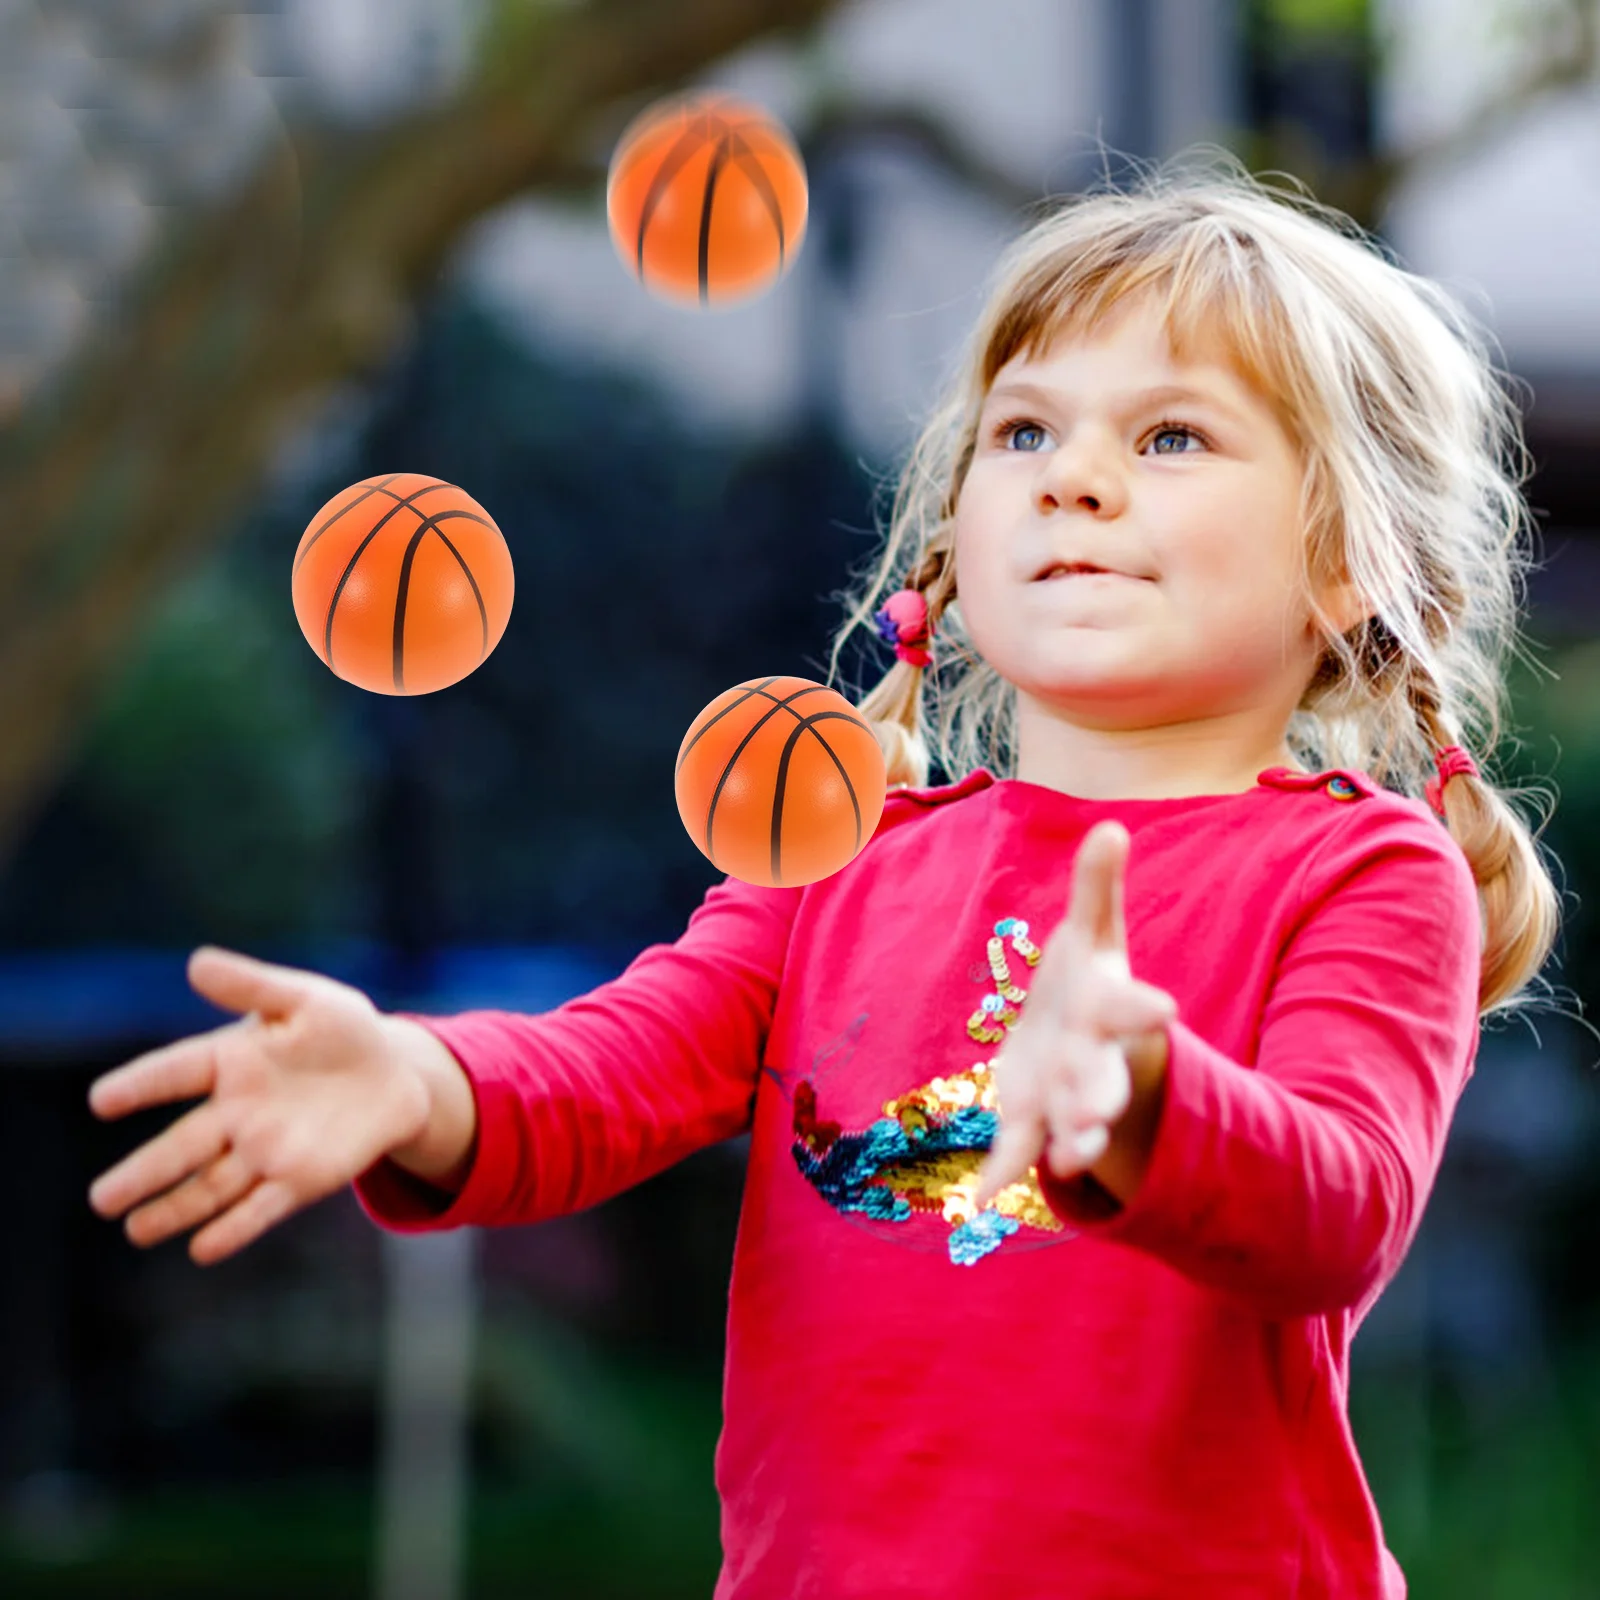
{"type": "Point", "coordinates": [998, 1012]}
{"type": "Point", "coordinates": [923, 1155]}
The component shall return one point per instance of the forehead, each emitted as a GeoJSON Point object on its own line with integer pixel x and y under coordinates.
{"type": "Point", "coordinates": [1136, 350]}
{"type": "Point", "coordinates": [1068, 373]}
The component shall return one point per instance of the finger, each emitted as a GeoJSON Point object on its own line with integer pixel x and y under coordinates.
{"type": "Point", "coordinates": [197, 1199]}
{"type": "Point", "coordinates": [1095, 994]}
{"type": "Point", "coordinates": [193, 1140]}
{"type": "Point", "coordinates": [1097, 1091]}
{"type": "Point", "coordinates": [1132, 1007]}
{"type": "Point", "coordinates": [1114, 927]}
{"type": "Point", "coordinates": [1101, 861]}
{"type": "Point", "coordinates": [242, 983]}
{"type": "Point", "coordinates": [1094, 909]}
{"type": "Point", "coordinates": [178, 1071]}
{"type": "Point", "coordinates": [1017, 1148]}
{"type": "Point", "coordinates": [263, 1207]}
{"type": "Point", "coordinates": [1067, 1157]}
{"type": "Point", "coordinates": [1093, 924]}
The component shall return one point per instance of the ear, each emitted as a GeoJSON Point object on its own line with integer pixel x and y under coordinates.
{"type": "Point", "coordinates": [1345, 603]}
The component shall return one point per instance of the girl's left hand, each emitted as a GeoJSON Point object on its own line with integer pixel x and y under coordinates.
{"type": "Point", "coordinates": [1062, 1074]}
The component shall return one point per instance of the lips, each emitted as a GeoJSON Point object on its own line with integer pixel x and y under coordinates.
{"type": "Point", "coordinates": [1058, 569]}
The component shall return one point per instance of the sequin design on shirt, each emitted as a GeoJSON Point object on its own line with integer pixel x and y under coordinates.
{"type": "Point", "coordinates": [923, 1154]}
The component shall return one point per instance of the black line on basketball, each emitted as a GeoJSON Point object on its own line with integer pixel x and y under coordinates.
{"type": "Point", "coordinates": [783, 778]}
{"type": "Point", "coordinates": [350, 566]}
{"type": "Point", "coordinates": [403, 589]}
{"type": "Point", "coordinates": [733, 760]}
{"type": "Point", "coordinates": [751, 690]}
{"type": "Point", "coordinates": [754, 729]}
{"type": "Point", "coordinates": [690, 142]}
{"type": "Point", "coordinates": [751, 167]}
{"type": "Point", "coordinates": [718, 157]}
{"type": "Point", "coordinates": [368, 490]}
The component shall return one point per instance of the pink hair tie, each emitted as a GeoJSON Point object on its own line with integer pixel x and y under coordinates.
{"type": "Point", "coordinates": [1450, 761]}
{"type": "Point", "coordinates": [903, 622]}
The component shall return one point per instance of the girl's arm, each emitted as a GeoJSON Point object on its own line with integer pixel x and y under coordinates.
{"type": "Point", "coordinates": [1120, 1172]}
{"type": "Point", "coordinates": [574, 1105]}
{"type": "Point", "coordinates": [442, 1153]}
{"type": "Point", "coordinates": [1297, 1183]}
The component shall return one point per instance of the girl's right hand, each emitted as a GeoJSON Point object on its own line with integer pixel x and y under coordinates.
{"type": "Point", "coordinates": [301, 1095]}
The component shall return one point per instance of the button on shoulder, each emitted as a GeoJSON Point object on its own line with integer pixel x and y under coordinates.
{"type": "Point", "coordinates": [1337, 783]}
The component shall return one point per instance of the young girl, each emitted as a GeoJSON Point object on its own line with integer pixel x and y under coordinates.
{"type": "Point", "coordinates": [1063, 1308]}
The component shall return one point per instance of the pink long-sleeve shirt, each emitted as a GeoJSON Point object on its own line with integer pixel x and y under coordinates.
{"type": "Point", "coordinates": [1072, 1399]}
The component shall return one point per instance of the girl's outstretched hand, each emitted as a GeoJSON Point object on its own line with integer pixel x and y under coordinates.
{"type": "Point", "coordinates": [301, 1095]}
{"type": "Point", "coordinates": [1062, 1074]}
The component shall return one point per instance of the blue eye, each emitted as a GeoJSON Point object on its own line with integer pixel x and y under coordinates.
{"type": "Point", "coordinates": [1005, 432]}
{"type": "Point", "coordinates": [1176, 427]}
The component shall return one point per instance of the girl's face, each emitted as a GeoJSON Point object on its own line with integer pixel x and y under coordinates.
{"type": "Point", "coordinates": [1186, 667]}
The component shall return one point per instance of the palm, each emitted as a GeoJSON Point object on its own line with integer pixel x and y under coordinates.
{"type": "Point", "coordinates": [289, 1092]}
{"type": "Point", "coordinates": [296, 1098]}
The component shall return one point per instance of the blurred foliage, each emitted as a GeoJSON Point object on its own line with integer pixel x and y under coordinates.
{"type": "Point", "coordinates": [1498, 1507]}
{"type": "Point", "coordinates": [218, 752]}
{"type": "Point", "coordinates": [1498, 1510]}
{"type": "Point", "coordinates": [1318, 18]}
{"type": "Point", "coordinates": [649, 1533]}
{"type": "Point", "coordinates": [1551, 750]}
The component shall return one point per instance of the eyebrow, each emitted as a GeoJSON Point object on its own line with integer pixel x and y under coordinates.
{"type": "Point", "coordinates": [1136, 400]}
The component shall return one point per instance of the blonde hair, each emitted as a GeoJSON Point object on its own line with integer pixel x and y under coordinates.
{"type": "Point", "coordinates": [1413, 459]}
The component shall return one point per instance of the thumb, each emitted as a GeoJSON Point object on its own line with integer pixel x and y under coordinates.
{"type": "Point", "coordinates": [242, 983]}
{"type": "Point", "coordinates": [1017, 1147]}
{"type": "Point", "coordinates": [1154, 1001]}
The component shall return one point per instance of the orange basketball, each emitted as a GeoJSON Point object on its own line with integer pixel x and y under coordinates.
{"type": "Point", "coordinates": [780, 782]}
{"type": "Point", "coordinates": [402, 584]}
{"type": "Point", "coordinates": [707, 198]}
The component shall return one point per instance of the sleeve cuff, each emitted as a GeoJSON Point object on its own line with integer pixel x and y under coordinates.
{"type": "Point", "coordinates": [1157, 1210]}
{"type": "Point", "coordinates": [404, 1203]}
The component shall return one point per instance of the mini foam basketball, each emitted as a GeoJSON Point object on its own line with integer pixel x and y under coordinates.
{"type": "Point", "coordinates": [402, 584]}
{"type": "Point", "coordinates": [707, 199]}
{"type": "Point", "coordinates": [780, 781]}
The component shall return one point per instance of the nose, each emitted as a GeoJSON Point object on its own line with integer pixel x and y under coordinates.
{"type": "Point", "coordinates": [1079, 471]}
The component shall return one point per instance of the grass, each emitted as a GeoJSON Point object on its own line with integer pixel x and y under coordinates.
{"type": "Point", "coordinates": [1498, 1501]}
{"type": "Point", "coordinates": [639, 1528]}
{"type": "Point", "coordinates": [1497, 1506]}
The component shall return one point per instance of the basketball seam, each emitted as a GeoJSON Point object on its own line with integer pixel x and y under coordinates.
{"type": "Point", "coordinates": [782, 779]}
{"type": "Point", "coordinates": [689, 144]}
{"type": "Point", "coordinates": [785, 704]}
{"type": "Point", "coordinates": [748, 160]}
{"type": "Point", "coordinates": [350, 566]}
{"type": "Point", "coordinates": [733, 760]}
{"type": "Point", "coordinates": [751, 691]}
{"type": "Point", "coordinates": [763, 184]}
{"type": "Point", "coordinates": [718, 156]}
{"type": "Point", "coordinates": [368, 490]}
{"type": "Point", "coordinates": [432, 526]}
